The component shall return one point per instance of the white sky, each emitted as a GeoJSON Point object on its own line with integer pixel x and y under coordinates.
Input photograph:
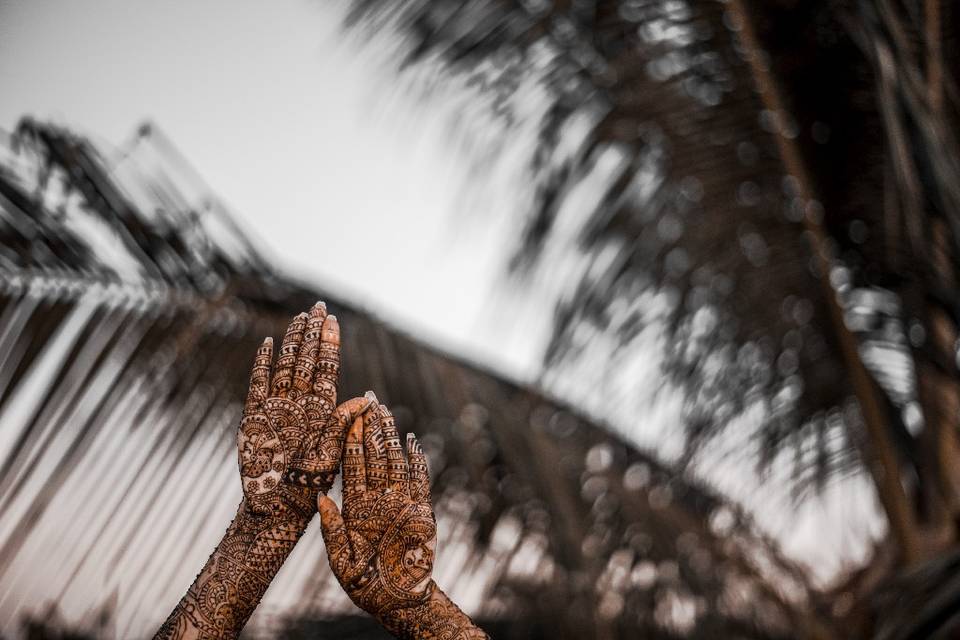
{"type": "Point", "coordinates": [345, 182]}
{"type": "Point", "coordinates": [343, 179]}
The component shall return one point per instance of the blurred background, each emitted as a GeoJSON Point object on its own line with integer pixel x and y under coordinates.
{"type": "Point", "coordinates": [667, 287]}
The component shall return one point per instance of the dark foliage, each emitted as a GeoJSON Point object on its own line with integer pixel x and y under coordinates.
{"type": "Point", "coordinates": [701, 209]}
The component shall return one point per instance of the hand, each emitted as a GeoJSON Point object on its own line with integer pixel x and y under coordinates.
{"type": "Point", "coordinates": [381, 549]}
{"type": "Point", "coordinates": [289, 448]}
{"type": "Point", "coordinates": [288, 437]}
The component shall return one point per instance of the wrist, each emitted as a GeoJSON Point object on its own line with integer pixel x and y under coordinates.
{"type": "Point", "coordinates": [437, 617]}
{"type": "Point", "coordinates": [287, 503]}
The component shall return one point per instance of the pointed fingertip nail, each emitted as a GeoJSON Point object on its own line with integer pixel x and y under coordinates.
{"type": "Point", "coordinates": [268, 340]}
{"type": "Point", "coordinates": [371, 396]}
{"type": "Point", "coordinates": [320, 304]}
{"type": "Point", "coordinates": [333, 319]}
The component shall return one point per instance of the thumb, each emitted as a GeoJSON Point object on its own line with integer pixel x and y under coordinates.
{"type": "Point", "coordinates": [345, 415]}
{"type": "Point", "coordinates": [332, 527]}
{"type": "Point", "coordinates": [344, 564]}
{"type": "Point", "coordinates": [350, 410]}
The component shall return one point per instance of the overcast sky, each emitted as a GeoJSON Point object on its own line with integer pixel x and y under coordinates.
{"type": "Point", "coordinates": [299, 129]}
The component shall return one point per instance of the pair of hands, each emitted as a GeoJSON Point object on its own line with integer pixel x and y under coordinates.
{"type": "Point", "coordinates": [291, 442]}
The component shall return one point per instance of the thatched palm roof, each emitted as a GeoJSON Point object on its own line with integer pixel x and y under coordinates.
{"type": "Point", "coordinates": [130, 307]}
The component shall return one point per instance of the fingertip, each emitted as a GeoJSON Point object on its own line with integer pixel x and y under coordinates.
{"type": "Point", "coordinates": [326, 505]}
{"type": "Point", "coordinates": [330, 517]}
{"type": "Point", "coordinates": [330, 332]}
{"type": "Point", "coordinates": [355, 434]}
{"type": "Point", "coordinates": [352, 408]}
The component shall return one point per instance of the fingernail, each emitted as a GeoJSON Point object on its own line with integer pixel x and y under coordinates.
{"type": "Point", "coordinates": [320, 305]}
{"type": "Point", "coordinates": [372, 397]}
{"type": "Point", "coordinates": [268, 340]}
{"type": "Point", "coordinates": [333, 319]}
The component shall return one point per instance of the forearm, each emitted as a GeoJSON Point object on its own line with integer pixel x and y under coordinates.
{"type": "Point", "coordinates": [238, 572]}
{"type": "Point", "coordinates": [436, 619]}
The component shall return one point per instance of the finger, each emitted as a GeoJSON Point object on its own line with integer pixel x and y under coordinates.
{"type": "Point", "coordinates": [306, 364]}
{"type": "Point", "coordinates": [327, 373]}
{"type": "Point", "coordinates": [419, 475]}
{"type": "Point", "coordinates": [348, 551]}
{"type": "Point", "coordinates": [374, 452]}
{"type": "Point", "coordinates": [335, 538]}
{"type": "Point", "coordinates": [283, 374]}
{"type": "Point", "coordinates": [260, 375]}
{"type": "Point", "coordinates": [396, 462]}
{"type": "Point", "coordinates": [335, 429]}
{"type": "Point", "coordinates": [354, 471]}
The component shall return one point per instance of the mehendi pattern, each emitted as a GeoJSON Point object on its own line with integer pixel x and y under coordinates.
{"type": "Point", "coordinates": [436, 619]}
{"type": "Point", "coordinates": [238, 573]}
{"type": "Point", "coordinates": [289, 446]}
{"type": "Point", "coordinates": [382, 547]}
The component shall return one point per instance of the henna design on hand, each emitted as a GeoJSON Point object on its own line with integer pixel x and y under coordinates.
{"type": "Point", "coordinates": [236, 575]}
{"type": "Point", "coordinates": [286, 435]}
{"type": "Point", "coordinates": [289, 447]}
{"type": "Point", "coordinates": [382, 547]}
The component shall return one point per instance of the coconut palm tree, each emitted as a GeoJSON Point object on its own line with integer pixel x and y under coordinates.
{"type": "Point", "coordinates": [777, 198]}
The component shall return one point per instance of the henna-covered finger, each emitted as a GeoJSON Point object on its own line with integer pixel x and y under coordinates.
{"type": "Point", "coordinates": [419, 474]}
{"type": "Point", "coordinates": [346, 562]}
{"type": "Point", "coordinates": [354, 469]}
{"type": "Point", "coordinates": [335, 430]}
{"type": "Point", "coordinates": [333, 529]}
{"type": "Point", "coordinates": [327, 373]}
{"type": "Point", "coordinates": [260, 375]}
{"type": "Point", "coordinates": [329, 447]}
{"type": "Point", "coordinates": [396, 462]}
{"type": "Point", "coordinates": [283, 372]}
{"type": "Point", "coordinates": [306, 363]}
{"type": "Point", "coordinates": [374, 453]}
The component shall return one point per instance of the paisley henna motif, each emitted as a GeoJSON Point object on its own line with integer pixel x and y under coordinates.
{"type": "Point", "coordinates": [289, 446]}
{"type": "Point", "coordinates": [382, 547]}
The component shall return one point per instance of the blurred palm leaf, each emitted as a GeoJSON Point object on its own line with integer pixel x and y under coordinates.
{"type": "Point", "coordinates": [697, 226]}
{"type": "Point", "coordinates": [130, 307]}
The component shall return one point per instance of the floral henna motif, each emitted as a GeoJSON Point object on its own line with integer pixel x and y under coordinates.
{"type": "Point", "coordinates": [382, 547]}
{"type": "Point", "coordinates": [288, 446]}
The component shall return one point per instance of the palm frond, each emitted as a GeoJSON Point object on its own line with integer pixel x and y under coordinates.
{"type": "Point", "coordinates": [130, 305]}
{"type": "Point", "coordinates": [693, 225]}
